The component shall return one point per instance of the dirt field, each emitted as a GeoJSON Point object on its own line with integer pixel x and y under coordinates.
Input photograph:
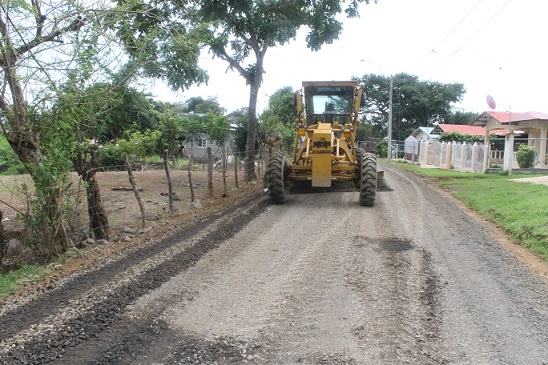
{"type": "Point", "coordinates": [123, 209]}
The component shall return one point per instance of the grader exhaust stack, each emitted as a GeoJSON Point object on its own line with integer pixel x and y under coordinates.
{"type": "Point", "coordinates": [325, 147]}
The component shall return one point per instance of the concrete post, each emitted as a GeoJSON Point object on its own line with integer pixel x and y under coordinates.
{"type": "Point", "coordinates": [474, 156]}
{"type": "Point", "coordinates": [449, 156]}
{"type": "Point", "coordinates": [542, 150]}
{"type": "Point", "coordinates": [462, 155]}
{"type": "Point", "coordinates": [508, 152]}
{"type": "Point", "coordinates": [486, 151]}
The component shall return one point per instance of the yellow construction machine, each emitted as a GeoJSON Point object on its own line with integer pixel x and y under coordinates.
{"type": "Point", "coordinates": [325, 148]}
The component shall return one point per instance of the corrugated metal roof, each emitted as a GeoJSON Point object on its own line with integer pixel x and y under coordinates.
{"type": "Point", "coordinates": [471, 130]}
{"type": "Point", "coordinates": [507, 117]}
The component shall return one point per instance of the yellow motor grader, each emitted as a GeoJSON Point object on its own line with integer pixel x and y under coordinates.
{"type": "Point", "coordinates": [325, 148]}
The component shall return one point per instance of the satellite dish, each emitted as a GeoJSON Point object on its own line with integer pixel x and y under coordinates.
{"type": "Point", "coordinates": [491, 102]}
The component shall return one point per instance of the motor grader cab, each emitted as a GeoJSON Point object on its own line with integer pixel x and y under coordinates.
{"type": "Point", "coordinates": [325, 147]}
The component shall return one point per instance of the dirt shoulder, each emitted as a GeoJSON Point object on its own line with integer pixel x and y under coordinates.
{"type": "Point", "coordinates": [124, 215]}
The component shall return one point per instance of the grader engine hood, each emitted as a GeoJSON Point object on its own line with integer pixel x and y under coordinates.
{"type": "Point", "coordinates": [322, 142]}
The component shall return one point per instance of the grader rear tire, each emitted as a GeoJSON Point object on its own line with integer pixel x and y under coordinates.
{"type": "Point", "coordinates": [275, 178]}
{"type": "Point", "coordinates": [368, 179]}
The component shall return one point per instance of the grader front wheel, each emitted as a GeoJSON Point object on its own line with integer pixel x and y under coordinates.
{"type": "Point", "coordinates": [368, 179]}
{"type": "Point", "coordinates": [275, 178]}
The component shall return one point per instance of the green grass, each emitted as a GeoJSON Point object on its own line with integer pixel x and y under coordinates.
{"type": "Point", "coordinates": [27, 274]}
{"type": "Point", "coordinates": [520, 208]}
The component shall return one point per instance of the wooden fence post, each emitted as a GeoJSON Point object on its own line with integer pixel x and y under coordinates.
{"type": "Point", "coordinates": [235, 153]}
{"type": "Point", "coordinates": [210, 172]}
{"type": "Point", "coordinates": [136, 191]}
{"type": "Point", "coordinates": [190, 178]}
{"type": "Point", "coordinates": [169, 183]}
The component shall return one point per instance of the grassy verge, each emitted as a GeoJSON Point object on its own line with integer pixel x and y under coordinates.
{"type": "Point", "coordinates": [518, 207]}
{"type": "Point", "coordinates": [25, 275]}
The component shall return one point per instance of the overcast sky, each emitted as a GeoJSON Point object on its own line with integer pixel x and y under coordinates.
{"type": "Point", "coordinates": [493, 47]}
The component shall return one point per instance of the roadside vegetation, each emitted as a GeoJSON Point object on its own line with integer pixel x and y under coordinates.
{"type": "Point", "coordinates": [517, 207]}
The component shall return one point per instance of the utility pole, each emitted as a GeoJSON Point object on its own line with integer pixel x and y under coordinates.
{"type": "Point", "coordinates": [389, 153]}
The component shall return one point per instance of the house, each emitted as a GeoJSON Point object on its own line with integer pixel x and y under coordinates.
{"type": "Point", "coordinates": [423, 133]}
{"type": "Point", "coordinates": [196, 145]}
{"type": "Point", "coordinates": [534, 124]}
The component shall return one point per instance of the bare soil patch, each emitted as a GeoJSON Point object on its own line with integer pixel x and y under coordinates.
{"type": "Point", "coordinates": [123, 209]}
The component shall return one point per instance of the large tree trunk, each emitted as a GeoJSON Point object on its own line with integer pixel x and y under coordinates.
{"type": "Point", "coordinates": [252, 128]}
{"type": "Point", "coordinates": [86, 169]}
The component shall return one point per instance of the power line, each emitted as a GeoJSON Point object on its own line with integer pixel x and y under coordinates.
{"type": "Point", "coordinates": [472, 37]}
{"type": "Point", "coordinates": [456, 26]}
{"type": "Point", "coordinates": [480, 29]}
{"type": "Point", "coordinates": [433, 50]}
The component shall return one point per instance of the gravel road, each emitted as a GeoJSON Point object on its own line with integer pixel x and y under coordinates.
{"type": "Point", "coordinates": [319, 280]}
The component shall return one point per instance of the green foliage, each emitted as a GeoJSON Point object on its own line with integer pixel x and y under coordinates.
{"type": "Point", "coordinates": [382, 148]}
{"type": "Point", "coordinates": [26, 274]}
{"type": "Point", "coordinates": [51, 205]}
{"type": "Point", "coordinates": [460, 117]}
{"type": "Point", "coordinates": [460, 137]}
{"type": "Point", "coordinates": [162, 39]}
{"type": "Point", "coordinates": [199, 105]}
{"type": "Point", "coordinates": [138, 146]}
{"type": "Point", "coordinates": [416, 103]}
{"type": "Point", "coordinates": [218, 128]}
{"type": "Point", "coordinates": [278, 121]}
{"type": "Point", "coordinates": [9, 162]}
{"type": "Point", "coordinates": [281, 105]}
{"type": "Point", "coordinates": [364, 131]}
{"type": "Point", "coordinates": [193, 128]}
{"type": "Point", "coordinates": [526, 156]}
{"type": "Point", "coordinates": [170, 131]}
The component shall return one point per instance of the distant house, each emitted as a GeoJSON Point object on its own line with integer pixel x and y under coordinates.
{"type": "Point", "coordinates": [411, 144]}
{"type": "Point", "coordinates": [423, 133]}
{"type": "Point", "coordinates": [197, 146]}
{"type": "Point", "coordinates": [534, 124]}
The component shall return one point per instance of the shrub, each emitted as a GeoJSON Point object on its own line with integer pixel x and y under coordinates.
{"type": "Point", "coordinates": [526, 156]}
{"type": "Point", "coordinates": [382, 149]}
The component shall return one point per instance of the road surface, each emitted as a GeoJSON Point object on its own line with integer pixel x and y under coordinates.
{"type": "Point", "coordinates": [319, 280]}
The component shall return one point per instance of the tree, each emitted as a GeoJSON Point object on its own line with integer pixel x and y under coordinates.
{"type": "Point", "coordinates": [461, 117]}
{"type": "Point", "coordinates": [416, 103]}
{"type": "Point", "coordinates": [239, 119]}
{"type": "Point", "coordinates": [278, 121]}
{"type": "Point", "coordinates": [239, 30]}
{"type": "Point", "coordinates": [202, 106]}
{"type": "Point", "coordinates": [43, 46]}
{"type": "Point", "coordinates": [171, 130]}
{"type": "Point", "coordinates": [39, 42]}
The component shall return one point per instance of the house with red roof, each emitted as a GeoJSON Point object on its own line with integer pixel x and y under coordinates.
{"type": "Point", "coordinates": [535, 124]}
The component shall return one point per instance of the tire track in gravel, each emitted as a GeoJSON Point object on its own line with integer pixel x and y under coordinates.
{"type": "Point", "coordinates": [312, 319]}
{"type": "Point", "coordinates": [485, 294]}
{"type": "Point", "coordinates": [93, 308]}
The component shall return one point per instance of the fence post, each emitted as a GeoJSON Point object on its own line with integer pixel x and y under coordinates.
{"type": "Point", "coordinates": [210, 172]}
{"type": "Point", "coordinates": [462, 155]}
{"type": "Point", "coordinates": [169, 183]}
{"type": "Point", "coordinates": [424, 153]}
{"type": "Point", "coordinates": [449, 155]}
{"type": "Point", "coordinates": [475, 148]}
{"type": "Point", "coordinates": [439, 160]}
{"type": "Point", "coordinates": [235, 153]}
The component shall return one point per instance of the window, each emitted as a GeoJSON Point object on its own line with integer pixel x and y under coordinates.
{"type": "Point", "coordinates": [202, 142]}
